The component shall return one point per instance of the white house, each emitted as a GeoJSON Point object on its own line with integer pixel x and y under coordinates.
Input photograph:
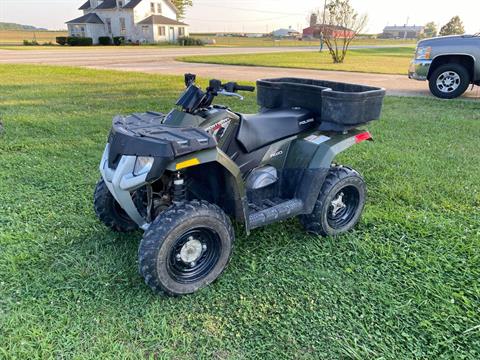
{"type": "Point", "coordinates": [142, 21]}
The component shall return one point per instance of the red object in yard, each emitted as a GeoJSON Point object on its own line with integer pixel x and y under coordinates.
{"type": "Point", "coordinates": [338, 32]}
{"type": "Point", "coordinates": [363, 137]}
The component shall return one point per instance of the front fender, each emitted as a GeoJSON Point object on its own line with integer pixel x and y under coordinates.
{"type": "Point", "coordinates": [217, 156]}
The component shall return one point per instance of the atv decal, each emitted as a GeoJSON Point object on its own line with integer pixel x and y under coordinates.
{"type": "Point", "coordinates": [305, 122]}
{"type": "Point", "coordinates": [219, 129]}
{"type": "Point", "coordinates": [317, 139]}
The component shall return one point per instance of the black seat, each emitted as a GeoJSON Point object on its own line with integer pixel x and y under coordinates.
{"type": "Point", "coordinates": [259, 130]}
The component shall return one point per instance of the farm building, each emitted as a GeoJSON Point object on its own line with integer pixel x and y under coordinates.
{"type": "Point", "coordinates": [402, 32]}
{"type": "Point", "coordinates": [285, 33]}
{"type": "Point", "coordinates": [313, 32]}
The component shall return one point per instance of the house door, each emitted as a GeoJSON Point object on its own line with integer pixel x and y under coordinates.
{"type": "Point", "coordinates": [172, 34]}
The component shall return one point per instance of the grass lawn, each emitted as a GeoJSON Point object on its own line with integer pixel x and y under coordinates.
{"type": "Point", "coordinates": [382, 61]}
{"type": "Point", "coordinates": [268, 41]}
{"type": "Point", "coordinates": [404, 285]}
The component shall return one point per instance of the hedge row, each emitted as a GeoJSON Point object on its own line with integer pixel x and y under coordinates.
{"type": "Point", "coordinates": [74, 41]}
{"type": "Point", "coordinates": [189, 41]}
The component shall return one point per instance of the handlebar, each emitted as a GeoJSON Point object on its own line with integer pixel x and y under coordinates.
{"type": "Point", "coordinates": [244, 88]}
{"type": "Point", "coordinates": [231, 87]}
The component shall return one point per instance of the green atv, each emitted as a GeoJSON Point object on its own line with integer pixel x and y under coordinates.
{"type": "Point", "coordinates": [181, 177]}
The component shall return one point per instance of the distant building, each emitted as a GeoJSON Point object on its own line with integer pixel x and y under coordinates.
{"type": "Point", "coordinates": [402, 32]}
{"type": "Point", "coordinates": [285, 33]}
{"type": "Point", "coordinates": [332, 31]}
{"type": "Point", "coordinates": [136, 20]}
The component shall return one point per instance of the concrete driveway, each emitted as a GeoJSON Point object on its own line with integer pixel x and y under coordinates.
{"type": "Point", "coordinates": [162, 61]}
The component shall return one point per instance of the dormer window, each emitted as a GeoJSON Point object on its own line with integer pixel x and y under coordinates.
{"type": "Point", "coordinates": [120, 3]}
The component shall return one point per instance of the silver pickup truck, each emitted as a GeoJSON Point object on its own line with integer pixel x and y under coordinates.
{"type": "Point", "coordinates": [450, 64]}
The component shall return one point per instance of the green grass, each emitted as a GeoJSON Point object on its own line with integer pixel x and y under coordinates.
{"type": "Point", "coordinates": [268, 41]}
{"type": "Point", "coordinates": [381, 61]}
{"type": "Point", "coordinates": [404, 285]}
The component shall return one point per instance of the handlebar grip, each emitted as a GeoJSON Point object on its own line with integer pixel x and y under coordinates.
{"type": "Point", "coordinates": [244, 88]}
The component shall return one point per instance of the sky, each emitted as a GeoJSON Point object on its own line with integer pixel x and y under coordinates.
{"type": "Point", "coordinates": [260, 15]}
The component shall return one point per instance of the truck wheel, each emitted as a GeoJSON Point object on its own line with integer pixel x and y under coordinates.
{"type": "Point", "coordinates": [110, 212]}
{"type": "Point", "coordinates": [449, 81]}
{"type": "Point", "coordinates": [186, 248]}
{"type": "Point", "coordinates": [340, 204]}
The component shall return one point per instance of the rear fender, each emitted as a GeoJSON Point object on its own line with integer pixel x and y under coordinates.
{"type": "Point", "coordinates": [327, 150]}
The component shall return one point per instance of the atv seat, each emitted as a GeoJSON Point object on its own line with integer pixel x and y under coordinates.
{"type": "Point", "coordinates": [259, 130]}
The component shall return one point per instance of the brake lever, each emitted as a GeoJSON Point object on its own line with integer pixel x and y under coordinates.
{"type": "Point", "coordinates": [231, 94]}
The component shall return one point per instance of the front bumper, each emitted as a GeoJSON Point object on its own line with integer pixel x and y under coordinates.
{"type": "Point", "coordinates": [121, 182]}
{"type": "Point", "coordinates": [419, 69]}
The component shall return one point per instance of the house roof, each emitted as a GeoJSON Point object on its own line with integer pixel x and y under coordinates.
{"type": "Point", "coordinates": [404, 28]}
{"type": "Point", "coordinates": [107, 4]}
{"type": "Point", "coordinates": [112, 4]}
{"type": "Point", "coordinates": [85, 6]}
{"type": "Point", "coordinates": [87, 19]}
{"type": "Point", "coordinates": [160, 20]}
{"type": "Point", "coordinates": [132, 4]}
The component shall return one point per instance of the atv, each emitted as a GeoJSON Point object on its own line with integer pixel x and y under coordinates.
{"type": "Point", "coordinates": [182, 177]}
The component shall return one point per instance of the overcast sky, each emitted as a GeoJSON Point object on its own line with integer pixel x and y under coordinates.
{"type": "Point", "coordinates": [260, 15]}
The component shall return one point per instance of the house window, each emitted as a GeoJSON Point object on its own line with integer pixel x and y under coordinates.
{"type": "Point", "coordinates": [109, 25]}
{"type": "Point", "coordinates": [161, 31]}
{"type": "Point", "coordinates": [159, 8]}
{"type": "Point", "coordinates": [181, 31]}
{"type": "Point", "coordinates": [152, 7]}
{"type": "Point", "coordinates": [78, 31]}
{"type": "Point", "coordinates": [145, 30]}
{"type": "Point", "coordinates": [123, 26]}
{"type": "Point", "coordinates": [120, 3]}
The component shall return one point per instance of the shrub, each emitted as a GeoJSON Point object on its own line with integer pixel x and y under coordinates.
{"type": "Point", "coordinates": [61, 40]}
{"type": "Point", "coordinates": [119, 40]}
{"type": "Point", "coordinates": [105, 40]}
{"type": "Point", "coordinates": [79, 41]}
{"type": "Point", "coordinates": [189, 41]}
{"type": "Point", "coordinates": [30, 43]}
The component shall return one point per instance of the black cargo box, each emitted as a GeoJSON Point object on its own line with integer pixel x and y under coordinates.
{"type": "Point", "coordinates": [338, 106]}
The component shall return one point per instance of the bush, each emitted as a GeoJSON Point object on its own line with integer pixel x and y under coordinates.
{"type": "Point", "coordinates": [79, 41]}
{"type": "Point", "coordinates": [30, 43]}
{"type": "Point", "coordinates": [119, 40]}
{"type": "Point", "coordinates": [61, 40]}
{"type": "Point", "coordinates": [189, 41]}
{"type": "Point", "coordinates": [105, 40]}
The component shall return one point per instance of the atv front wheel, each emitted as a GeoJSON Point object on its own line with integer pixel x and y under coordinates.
{"type": "Point", "coordinates": [186, 248]}
{"type": "Point", "coordinates": [340, 204]}
{"type": "Point", "coordinates": [110, 212]}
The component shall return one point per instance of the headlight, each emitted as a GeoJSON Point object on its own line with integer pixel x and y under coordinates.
{"type": "Point", "coordinates": [143, 165]}
{"type": "Point", "coordinates": [424, 53]}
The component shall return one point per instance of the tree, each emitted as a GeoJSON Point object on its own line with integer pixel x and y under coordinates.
{"type": "Point", "coordinates": [453, 27]}
{"type": "Point", "coordinates": [431, 30]}
{"type": "Point", "coordinates": [182, 6]}
{"type": "Point", "coordinates": [342, 25]}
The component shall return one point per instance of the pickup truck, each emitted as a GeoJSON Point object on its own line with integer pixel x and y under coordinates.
{"type": "Point", "coordinates": [450, 63]}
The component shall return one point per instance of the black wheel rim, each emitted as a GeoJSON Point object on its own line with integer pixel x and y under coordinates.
{"type": "Point", "coordinates": [183, 270]}
{"type": "Point", "coordinates": [343, 208]}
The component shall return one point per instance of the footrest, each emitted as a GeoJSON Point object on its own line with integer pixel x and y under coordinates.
{"type": "Point", "coordinates": [281, 211]}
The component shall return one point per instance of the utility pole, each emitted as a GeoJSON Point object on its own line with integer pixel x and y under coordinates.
{"type": "Point", "coordinates": [323, 26]}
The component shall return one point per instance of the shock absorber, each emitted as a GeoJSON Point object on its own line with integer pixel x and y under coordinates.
{"type": "Point", "coordinates": [179, 188]}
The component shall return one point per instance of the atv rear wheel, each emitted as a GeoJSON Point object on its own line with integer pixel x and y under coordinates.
{"type": "Point", "coordinates": [110, 212]}
{"type": "Point", "coordinates": [340, 203]}
{"type": "Point", "coordinates": [186, 248]}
